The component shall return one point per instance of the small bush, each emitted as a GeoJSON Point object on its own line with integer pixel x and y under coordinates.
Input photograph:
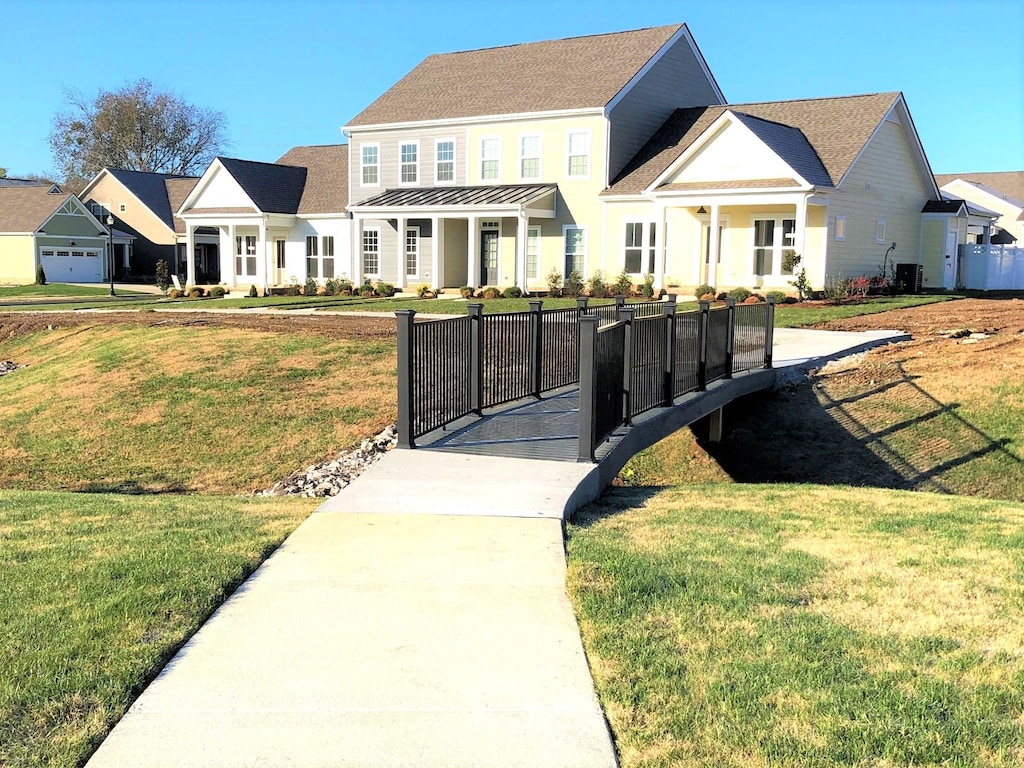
{"type": "Point", "coordinates": [490, 292]}
{"type": "Point", "coordinates": [330, 287]}
{"type": "Point", "coordinates": [195, 292]}
{"type": "Point", "coordinates": [425, 292]}
{"type": "Point", "coordinates": [837, 289]}
{"type": "Point", "coordinates": [753, 299]}
{"type": "Point", "coordinates": [790, 261]}
{"type": "Point", "coordinates": [292, 290]}
{"type": "Point", "coordinates": [554, 280]}
{"type": "Point", "coordinates": [163, 275]}
{"type": "Point", "coordinates": [573, 284]}
{"type": "Point", "coordinates": [386, 290]}
{"type": "Point", "coordinates": [623, 285]}
{"type": "Point", "coordinates": [309, 289]}
{"type": "Point", "coordinates": [343, 286]}
{"type": "Point", "coordinates": [779, 297]}
{"type": "Point", "coordinates": [40, 275]}
{"type": "Point", "coordinates": [596, 288]}
{"type": "Point", "coordinates": [802, 284]}
{"type": "Point", "coordinates": [466, 291]}
{"type": "Point", "coordinates": [704, 290]}
{"type": "Point", "coordinates": [740, 294]}
{"type": "Point", "coordinates": [513, 292]}
{"type": "Point", "coordinates": [174, 293]}
{"type": "Point", "coordinates": [217, 292]}
{"type": "Point", "coordinates": [647, 289]}
{"type": "Point", "coordinates": [253, 293]}
{"type": "Point", "coordinates": [366, 287]}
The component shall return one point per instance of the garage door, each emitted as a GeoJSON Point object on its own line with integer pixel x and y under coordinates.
{"type": "Point", "coordinates": [75, 265]}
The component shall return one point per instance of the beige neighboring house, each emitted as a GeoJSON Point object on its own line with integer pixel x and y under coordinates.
{"type": "Point", "coordinates": [1001, 192]}
{"type": "Point", "coordinates": [40, 225]}
{"type": "Point", "coordinates": [275, 223]}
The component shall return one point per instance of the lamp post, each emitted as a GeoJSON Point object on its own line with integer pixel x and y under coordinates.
{"type": "Point", "coordinates": [110, 241]}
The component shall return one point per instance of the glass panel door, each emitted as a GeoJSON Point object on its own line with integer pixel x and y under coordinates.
{"type": "Point", "coordinates": [489, 257]}
{"type": "Point", "coordinates": [764, 240]}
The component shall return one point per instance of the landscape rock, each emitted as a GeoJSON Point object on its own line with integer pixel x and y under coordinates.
{"type": "Point", "coordinates": [8, 366]}
{"type": "Point", "coordinates": [331, 477]}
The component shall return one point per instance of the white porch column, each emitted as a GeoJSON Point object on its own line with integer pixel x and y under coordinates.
{"type": "Point", "coordinates": [231, 253]}
{"type": "Point", "coordinates": [659, 248]}
{"type": "Point", "coordinates": [436, 246]}
{"type": "Point", "coordinates": [801, 229]}
{"type": "Point", "coordinates": [713, 247]}
{"type": "Point", "coordinates": [521, 226]}
{"type": "Point", "coordinates": [400, 224]}
{"type": "Point", "coordinates": [473, 258]}
{"type": "Point", "coordinates": [986, 235]}
{"type": "Point", "coordinates": [357, 251]}
{"type": "Point", "coordinates": [261, 256]}
{"type": "Point", "coordinates": [190, 255]}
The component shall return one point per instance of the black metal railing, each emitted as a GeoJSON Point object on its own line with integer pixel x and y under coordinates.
{"type": "Point", "coordinates": [448, 369]}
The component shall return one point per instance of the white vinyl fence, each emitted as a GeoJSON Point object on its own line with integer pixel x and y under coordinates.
{"type": "Point", "coordinates": [992, 267]}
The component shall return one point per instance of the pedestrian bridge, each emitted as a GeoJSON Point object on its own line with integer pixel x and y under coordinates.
{"type": "Point", "coordinates": [592, 384]}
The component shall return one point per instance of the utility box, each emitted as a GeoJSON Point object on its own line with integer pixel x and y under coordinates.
{"type": "Point", "coordinates": [909, 278]}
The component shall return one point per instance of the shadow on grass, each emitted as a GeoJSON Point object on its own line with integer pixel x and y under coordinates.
{"type": "Point", "coordinates": [134, 488]}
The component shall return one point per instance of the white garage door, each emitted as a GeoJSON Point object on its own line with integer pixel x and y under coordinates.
{"type": "Point", "coordinates": [75, 265]}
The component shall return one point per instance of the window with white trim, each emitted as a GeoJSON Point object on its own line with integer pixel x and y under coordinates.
{"type": "Point", "coordinates": [412, 251]}
{"type": "Point", "coordinates": [279, 252]}
{"type": "Point", "coordinates": [490, 159]}
{"type": "Point", "coordinates": [122, 207]}
{"type": "Point", "coordinates": [371, 252]}
{"type": "Point", "coordinates": [840, 229]}
{"type": "Point", "coordinates": [63, 253]}
{"type": "Point", "coordinates": [772, 236]}
{"type": "Point", "coordinates": [239, 263]}
{"type": "Point", "coordinates": [638, 257]}
{"type": "Point", "coordinates": [879, 231]}
{"type": "Point", "coordinates": [529, 156]}
{"type": "Point", "coordinates": [46, 253]}
{"type": "Point", "coordinates": [444, 166]}
{"type": "Point", "coordinates": [578, 152]}
{"type": "Point", "coordinates": [250, 254]}
{"type": "Point", "coordinates": [409, 164]}
{"type": "Point", "coordinates": [312, 267]}
{"type": "Point", "coordinates": [575, 240]}
{"type": "Point", "coordinates": [370, 165]}
{"type": "Point", "coordinates": [533, 253]}
{"type": "Point", "coordinates": [327, 266]}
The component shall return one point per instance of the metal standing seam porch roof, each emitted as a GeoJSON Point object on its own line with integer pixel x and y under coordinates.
{"type": "Point", "coordinates": [459, 197]}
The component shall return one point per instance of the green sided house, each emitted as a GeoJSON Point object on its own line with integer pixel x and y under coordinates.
{"type": "Point", "coordinates": [40, 225]}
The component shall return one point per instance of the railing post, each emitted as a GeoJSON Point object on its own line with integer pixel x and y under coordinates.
{"type": "Point", "coordinates": [404, 318]}
{"type": "Point", "coordinates": [581, 303]}
{"type": "Point", "coordinates": [625, 315]}
{"type": "Point", "coordinates": [730, 336]}
{"type": "Point", "coordinates": [476, 357]}
{"type": "Point", "coordinates": [620, 301]}
{"type": "Point", "coordinates": [669, 386]}
{"type": "Point", "coordinates": [702, 345]}
{"type": "Point", "coordinates": [588, 386]}
{"type": "Point", "coordinates": [769, 332]}
{"type": "Point", "coordinates": [536, 350]}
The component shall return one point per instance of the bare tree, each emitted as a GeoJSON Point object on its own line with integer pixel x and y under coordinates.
{"type": "Point", "coordinates": [137, 128]}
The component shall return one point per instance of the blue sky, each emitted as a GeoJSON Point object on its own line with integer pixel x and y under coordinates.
{"type": "Point", "coordinates": [288, 73]}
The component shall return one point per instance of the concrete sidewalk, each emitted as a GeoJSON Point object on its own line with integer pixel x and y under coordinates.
{"type": "Point", "coordinates": [420, 618]}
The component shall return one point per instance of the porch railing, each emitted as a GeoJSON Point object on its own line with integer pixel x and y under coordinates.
{"type": "Point", "coordinates": [627, 358]}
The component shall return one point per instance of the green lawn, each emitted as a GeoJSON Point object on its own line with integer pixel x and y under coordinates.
{"type": "Point", "coordinates": [52, 290]}
{"type": "Point", "coordinates": [804, 626]}
{"type": "Point", "coordinates": [184, 409]}
{"type": "Point", "coordinates": [97, 592]}
{"type": "Point", "coordinates": [793, 316]}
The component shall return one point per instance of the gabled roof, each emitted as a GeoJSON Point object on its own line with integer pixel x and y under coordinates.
{"type": "Point", "coordinates": [7, 181]}
{"type": "Point", "coordinates": [835, 130]}
{"type": "Point", "coordinates": [25, 208]}
{"type": "Point", "coordinates": [177, 191]}
{"type": "Point", "coordinates": [326, 188]}
{"type": "Point", "coordinates": [273, 188]}
{"type": "Point", "coordinates": [574, 73]}
{"type": "Point", "coordinates": [1009, 185]}
{"type": "Point", "coordinates": [150, 189]}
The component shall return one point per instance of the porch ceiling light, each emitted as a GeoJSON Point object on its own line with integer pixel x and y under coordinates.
{"type": "Point", "coordinates": [701, 210]}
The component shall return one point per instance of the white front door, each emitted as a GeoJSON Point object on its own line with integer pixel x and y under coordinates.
{"type": "Point", "coordinates": [949, 262]}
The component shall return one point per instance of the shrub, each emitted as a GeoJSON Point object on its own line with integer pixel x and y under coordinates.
{"type": "Point", "coordinates": [386, 290]}
{"type": "Point", "coordinates": [253, 293]}
{"type": "Point", "coordinates": [802, 284]}
{"type": "Point", "coordinates": [40, 275]}
{"type": "Point", "coordinates": [163, 275]}
{"type": "Point", "coordinates": [573, 284]}
{"type": "Point", "coordinates": [292, 290]}
{"type": "Point", "coordinates": [554, 280]}
{"type": "Point", "coordinates": [309, 289]}
{"type": "Point", "coordinates": [490, 292]}
{"type": "Point", "coordinates": [703, 290]}
{"type": "Point", "coordinates": [790, 261]}
{"type": "Point", "coordinates": [195, 292]}
{"type": "Point", "coordinates": [596, 288]}
{"type": "Point", "coordinates": [837, 289]}
{"type": "Point", "coordinates": [623, 285]}
{"type": "Point", "coordinates": [366, 287]}
{"type": "Point", "coordinates": [174, 293]}
{"type": "Point", "coordinates": [753, 299]}
{"type": "Point", "coordinates": [425, 292]}
{"type": "Point", "coordinates": [330, 287]}
{"type": "Point", "coordinates": [513, 292]}
{"type": "Point", "coordinates": [466, 291]}
{"type": "Point", "coordinates": [740, 294]}
{"type": "Point", "coordinates": [647, 289]}
{"type": "Point", "coordinates": [217, 292]}
{"type": "Point", "coordinates": [779, 297]}
{"type": "Point", "coordinates": [859, 286]}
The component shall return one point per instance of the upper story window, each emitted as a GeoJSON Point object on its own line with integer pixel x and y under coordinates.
{"type": "Point", "coordinates": [370, 165]}
{"type": "Point", "coordinates": [444, 167]}
{"type": "Point", "coordinates": [529, 156]}
{"type": "Point", "coordinates": [409, 153]}
{"type": "Point", "coordinates": [578, 151]}
{"type": "Point", "coordinates": [490, 162]}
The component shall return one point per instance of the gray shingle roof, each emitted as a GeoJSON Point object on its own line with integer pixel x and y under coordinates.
{"type": "Point", "coordinates": [574, 73]}
{"type": "Point", "coordinates": [273, 188]}
{"type": "Point", "coordinates": [25, 208]}
{"type": "Point", "coordinates": [151, 189]}
{"type": "Point", "coordinates": [834, 129]}
{"type": "Point", "coordinates": [505, 194]}
{"type": "Point", "coordinates": [326, 189]}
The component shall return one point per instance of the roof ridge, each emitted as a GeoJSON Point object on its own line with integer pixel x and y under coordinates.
{"type": "Point", "coordinates": [813, 98]}
{"type": "Point", "coordinates": [556, 40]}
{"type": "Point", "coordinates": [257, 162]}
